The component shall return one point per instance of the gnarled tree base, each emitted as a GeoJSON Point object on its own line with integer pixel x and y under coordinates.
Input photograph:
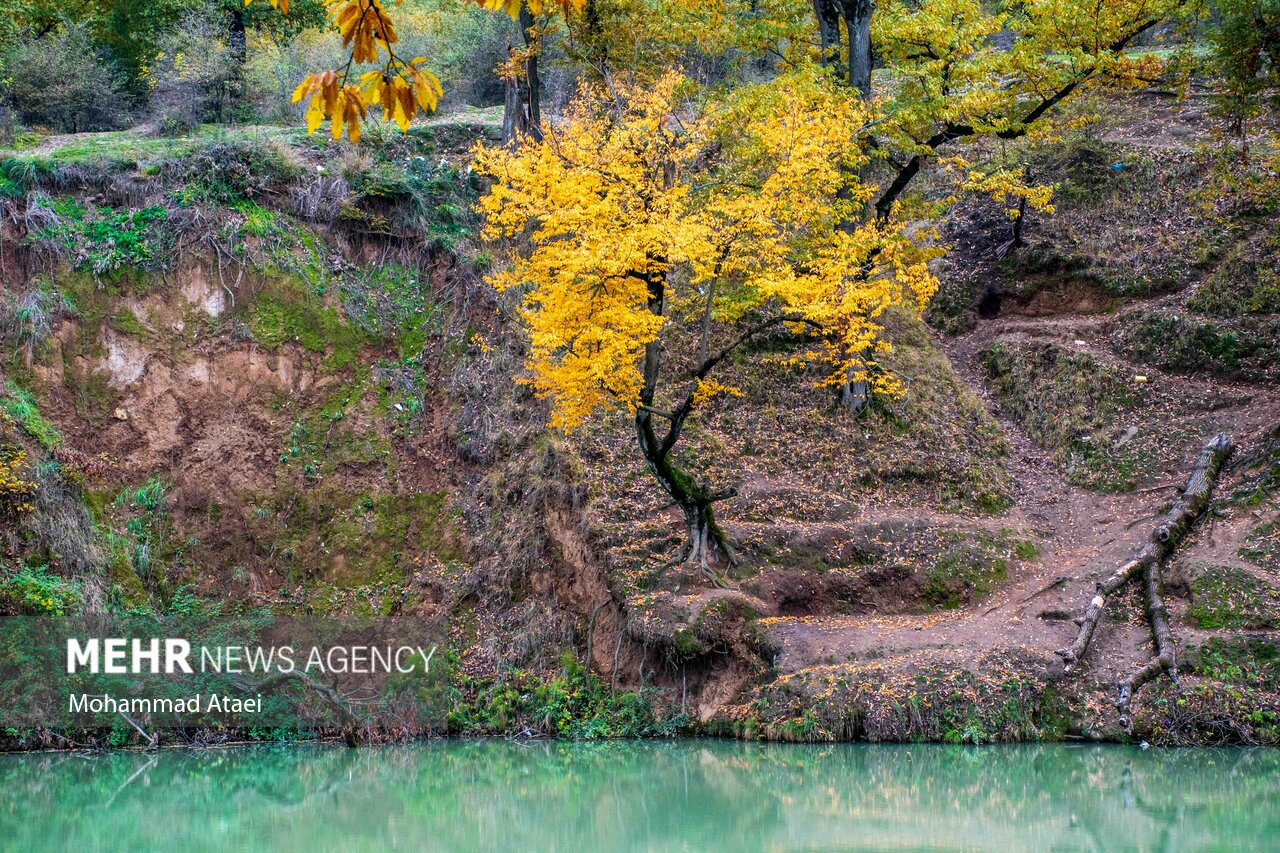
{"type": "Point", "coordinates": [705, 546]}
{"type": "Point", "coordinates": [1166, 536]}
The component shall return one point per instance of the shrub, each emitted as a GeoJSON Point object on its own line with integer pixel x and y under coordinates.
{"type": "Point", "coordinates": [106, 239]}
{"type": "Point", "coordinates": [32, 589]}
{"type": "Point", "coordinates": [232, 170]}
{"type": "Point", "coordinates": [16, 492]}
{"type": "Point", "coordinates": [60, 82]}
{"type": "Point", "coordinates": [1248, 348]}
{"type": "Point", "coordinates": [1246, 54]}
{"type": "Point", "coordinates": [26, 319]}
{"type": "Point", "coordinates": [195, 79]}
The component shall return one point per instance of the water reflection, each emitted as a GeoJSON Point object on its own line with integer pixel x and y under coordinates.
{"type": "Point", "coordinates": [683, 795]}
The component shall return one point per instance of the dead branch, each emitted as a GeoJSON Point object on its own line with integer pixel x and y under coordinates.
{"type": "Point", "coordinates": [328, 694]}
{"type": "Point", "coordinates": [1168, 533]}
{"type": "Point", "coordinates": [151, 741]}
{"type": "Point", "coordinates": [1162, 635]}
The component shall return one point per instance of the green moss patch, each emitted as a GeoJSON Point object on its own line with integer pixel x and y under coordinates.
{"type": "Point", "coordinates": [20, 405]}
{"type": "Point", "coordinates": [966, 571]}
{"type": "Point", "coordinates": [350, 539]}
{"type": "Point", "coordinates": [286, 310]}
{"type": "Point", "coordinates": [1254, 661]}
{"type": "Point", "coordinates": [1070, 402]}
{"type": "Point", "coordinates": [998, 697]}
{"type": "Point", "coordinates": [1232, 597]}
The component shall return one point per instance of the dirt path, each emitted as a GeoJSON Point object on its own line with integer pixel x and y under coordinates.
{"type": "Point", "coordinates": [1085, 533]}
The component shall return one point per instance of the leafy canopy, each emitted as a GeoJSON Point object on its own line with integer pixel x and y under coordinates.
{"type": "Point", "coordinates": [749, 204]}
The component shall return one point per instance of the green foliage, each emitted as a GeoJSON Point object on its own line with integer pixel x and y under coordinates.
{"type": "Point", "coordinates": [1104, 467]}
{"type": "Point", "coordinates": [34, 590]}
{"type": "Point", "coordinates": [107, 239]}
{"type": "Point", "coordinates": [27, 319]}
{"type": "Point", "coordinates": [1247, 281]}
{"type": "Point", "coordinates": [1057, 394]}
{"type": "Point", "coordinates": [59, 82]}
{"type": "Point", "coordinates": [433, 199]}
{"type": "Point", "coordinates": [1026, 549]}
{"type": "Point", "coordinates": [1244, 36]}
{"type": "Point", "coordinates": [127, 322]}
{"type": "Point", "coordinates": [1252, 661]}
{"type": "Point", "coordinates": [258, 221]}
{"type": "Point", "coordinates": [1184, 344]}
{"type": "Point", "coordinates": [20, 405]}
{"type": "Point", "coordinates": [573, 704]}
{"type": "Point", "coordinates": [141, 538]}
{"type": "Point", "coordinates": [1232, 597]}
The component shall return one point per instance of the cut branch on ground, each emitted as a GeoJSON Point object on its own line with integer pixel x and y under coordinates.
{"type": "Point", "coordinates": [1169, 531]}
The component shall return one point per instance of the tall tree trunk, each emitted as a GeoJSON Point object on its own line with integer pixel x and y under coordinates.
{"type": "Point", "coordinates": [7, 122]}
{"type": "Point", "coordinates": [533, 81]}
{"type": "Point", "coordinates": [512, 112]}
{"type": "Point", "coordinates": [705, 541]}
{"type": "Point", "coordinates": [238, 46]}
{"type": "Point", "coordinates": [857, 19]}
{"type": "Point", "coordinates": [828, 15]}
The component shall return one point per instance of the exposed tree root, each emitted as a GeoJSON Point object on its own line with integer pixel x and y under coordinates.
{"type": "Point", "coordinates": [702, 546]}
{"type": "Point", "coordinates": [1165, 537]}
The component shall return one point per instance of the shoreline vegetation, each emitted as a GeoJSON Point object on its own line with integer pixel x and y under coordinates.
{"type": "Point", "coordinates": [697, 374]}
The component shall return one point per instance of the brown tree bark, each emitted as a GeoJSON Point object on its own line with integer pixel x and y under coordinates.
{"type": "Point", "coordinates": [533, 79]}
{"type": "Point", "coordinates": [706, 541]}
{"type": "Point", "coordinates": [1169, 531]}
{"type": "Point", "coordinates": [857, 20]}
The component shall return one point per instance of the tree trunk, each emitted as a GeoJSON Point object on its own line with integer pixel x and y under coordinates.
{"type": "Point", "coordinates": [854, 396]}
{"type": "Point", "coordinates": [706, 542]}
{"type": "Point", "coordinates": [511, 109]}
{"type": "Point", "coordinates": [1165, 537]}
{"type": "Point", "coordinates": [828, 15]}
{"type": "Point", "coordinates": [857, 19]}
{"type": "Point", "coordinates": [238, 46]}
{"type": "Point", "coordinates": [6, 122]}
{"type": "Point", "coordinates": [237, 37]}
{"type": "Point", "coordinates": [533, 81]}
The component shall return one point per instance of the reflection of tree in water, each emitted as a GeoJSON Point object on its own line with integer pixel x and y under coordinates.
{"type": "Point", "coordinates": [623, 796]}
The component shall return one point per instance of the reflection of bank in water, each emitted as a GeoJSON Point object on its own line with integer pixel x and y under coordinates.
{"type": "Point", "coordinates": [646, 795]}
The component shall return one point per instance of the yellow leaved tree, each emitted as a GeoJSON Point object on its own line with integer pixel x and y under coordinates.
{"type": "Point", "coordinates": [958, 71]}
{"type": "Point", "coordinates": [652, 238]}
{"type": "Point", "coordinates": [399, 88]}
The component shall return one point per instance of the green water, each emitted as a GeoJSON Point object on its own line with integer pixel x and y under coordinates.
{"type": "Point", "coordinates": [681, 795]}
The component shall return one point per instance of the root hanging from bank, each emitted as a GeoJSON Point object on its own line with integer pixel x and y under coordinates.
{"type": "Point", "coordinates": [1169, 531]}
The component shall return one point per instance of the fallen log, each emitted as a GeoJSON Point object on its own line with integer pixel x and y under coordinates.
{"type": "Point", "coordinates": [1164, 659]}
{"type": "Point", "coordinates": [1168, 532]}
